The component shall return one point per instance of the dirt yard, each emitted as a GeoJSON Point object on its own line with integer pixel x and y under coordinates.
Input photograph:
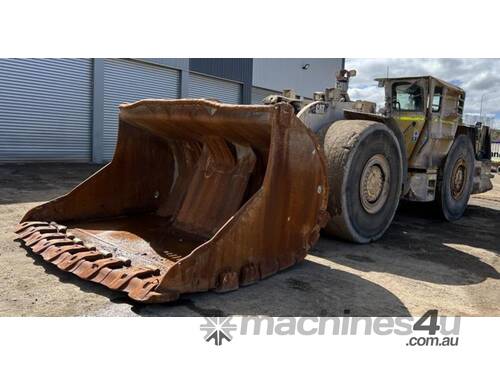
{"type": "Point", "coordinates": [421, 263]}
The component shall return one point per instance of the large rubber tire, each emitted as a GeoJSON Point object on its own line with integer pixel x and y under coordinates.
{"type": "Point", "coordinates": [452, 199]}
{"type": "Point", "coordinates": [350, 147]}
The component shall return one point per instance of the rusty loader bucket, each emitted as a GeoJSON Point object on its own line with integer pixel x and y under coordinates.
{"type": "Point", "coordinates": [199, 195]}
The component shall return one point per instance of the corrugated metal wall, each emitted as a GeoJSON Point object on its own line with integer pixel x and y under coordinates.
{"type": "Point", "coordinates": [259, 94]}
{"type": "Point", "coordinates": [45, 109]}
{"type": "Point", "coordinates": [278, 74]}
{"type": "Point", "coordinates": [202, 86]}
{"type": "Point", "coordinates": [239, 70]}
{"type": "Point", "coordinates": [129, 81]}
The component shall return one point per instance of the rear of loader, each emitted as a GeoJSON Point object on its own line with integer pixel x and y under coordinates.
{"type": "Point", "coordinates": [198, 196]}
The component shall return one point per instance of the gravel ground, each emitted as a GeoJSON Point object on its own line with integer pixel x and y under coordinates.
{"type": "Point", "coordinates": [421, 263]}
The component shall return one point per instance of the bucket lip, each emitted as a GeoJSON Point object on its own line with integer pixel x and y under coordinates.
{"type": "Point", "coordinates": [180, 110]}
{"type": "Point", "coordinates": [197, 102]}
{"type": "Point", "coordinates": [197, 119]}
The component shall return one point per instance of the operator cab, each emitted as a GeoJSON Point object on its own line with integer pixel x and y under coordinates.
{"type": "Point", "coordinates": [412, 94]}
{"type": "Point", "coordinates": [411, 102]}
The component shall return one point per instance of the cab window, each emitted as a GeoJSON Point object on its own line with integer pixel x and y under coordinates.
{"type": "Point", "coordinates": [437, 99]}
{"type": "Point", "coordinates": [407, 97]}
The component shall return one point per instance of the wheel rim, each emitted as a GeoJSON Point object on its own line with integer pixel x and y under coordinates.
{"type": "Point", "coordinates": [374, 184]}
{"type": "Point", "coordinates": [458, 179]}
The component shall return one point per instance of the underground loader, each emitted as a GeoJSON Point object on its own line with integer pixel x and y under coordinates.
{"type": "Point", "coordinates": [417, 149]}
{"type": "Point", "coordinates": [202, 195]}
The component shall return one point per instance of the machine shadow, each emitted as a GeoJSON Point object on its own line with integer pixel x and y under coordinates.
{"type": "Point", "coordinates": [308, 289]}
{"type": "Point", "coordinates": [421, 246]}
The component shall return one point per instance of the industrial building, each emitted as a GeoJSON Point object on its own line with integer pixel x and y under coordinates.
{"type": "Point", "coordinates": [67, 109]}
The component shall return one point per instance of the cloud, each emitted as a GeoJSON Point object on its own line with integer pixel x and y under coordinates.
{"type": "Point", "coordinates": [477, 77]}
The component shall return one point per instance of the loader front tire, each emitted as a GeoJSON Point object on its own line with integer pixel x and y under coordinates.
{"type": "Point", "coordinates": [365, 178]}
{"type": "Point", "coordinates": [455, 179]}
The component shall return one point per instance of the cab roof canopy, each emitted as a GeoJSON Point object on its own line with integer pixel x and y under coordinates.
{"type": "Point", "coordinates": [444, 83]}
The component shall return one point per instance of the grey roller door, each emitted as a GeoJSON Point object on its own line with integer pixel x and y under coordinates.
{"type": "Point", "coordinates": [201, 86]}
{"type": "Point", "coordinates": [126, 81]}
{"type": "Point", "coordinates": [259, 94]}
{"type": "Point", "coordinates": [45, 109]}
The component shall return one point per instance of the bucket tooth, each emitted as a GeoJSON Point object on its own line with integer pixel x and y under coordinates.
{"type": "Point", "coordinates": [103, 273]}
{"type": "Point", "coordinates": [43, 245]}
{"type": "Point", "coordinates": [26, 232]}
{"type": "Point", "coordinates": [145, 290]}
{"type": "Point", "coordinates": [53, 253]}
{"type": "Point", "coordinates": [47, 229]}
{"type": "Point", "coordinates": [227, 281]}
{"type": "Point", "coordinates": [32, 238]}
{"type": "Point", "coordinates": [88, 270]}
{"type": "Point", "coordinates": [22, 226]}
{"type": "Point", "coordinates": [36, 236]}
{"type": "Point", "coordinates": [35, 239]}
{"type": "Point", "coordinates": [249, 274]}
{"type": "Point", "coordinates": [72, 260]}
{"type": "Point", "coordinates": [119, 278]}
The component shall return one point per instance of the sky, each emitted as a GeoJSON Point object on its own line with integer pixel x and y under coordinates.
{"type": "Point", "coordinates": [476, 76]}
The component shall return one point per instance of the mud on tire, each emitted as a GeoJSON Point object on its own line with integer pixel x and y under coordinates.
{"type": "Point", "coordinates": [365, 178]}
{"type": "Point", "coordinates": [455, 179]}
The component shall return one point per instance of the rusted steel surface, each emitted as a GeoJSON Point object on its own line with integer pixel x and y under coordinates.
{"type": "Point", "coordinates": [198, 196]}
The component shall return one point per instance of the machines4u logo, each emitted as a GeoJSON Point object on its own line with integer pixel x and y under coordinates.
{"type": "Point", "coordinates": [428, 330]}
{"type": "Point", "coordinates": [218, 329]}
